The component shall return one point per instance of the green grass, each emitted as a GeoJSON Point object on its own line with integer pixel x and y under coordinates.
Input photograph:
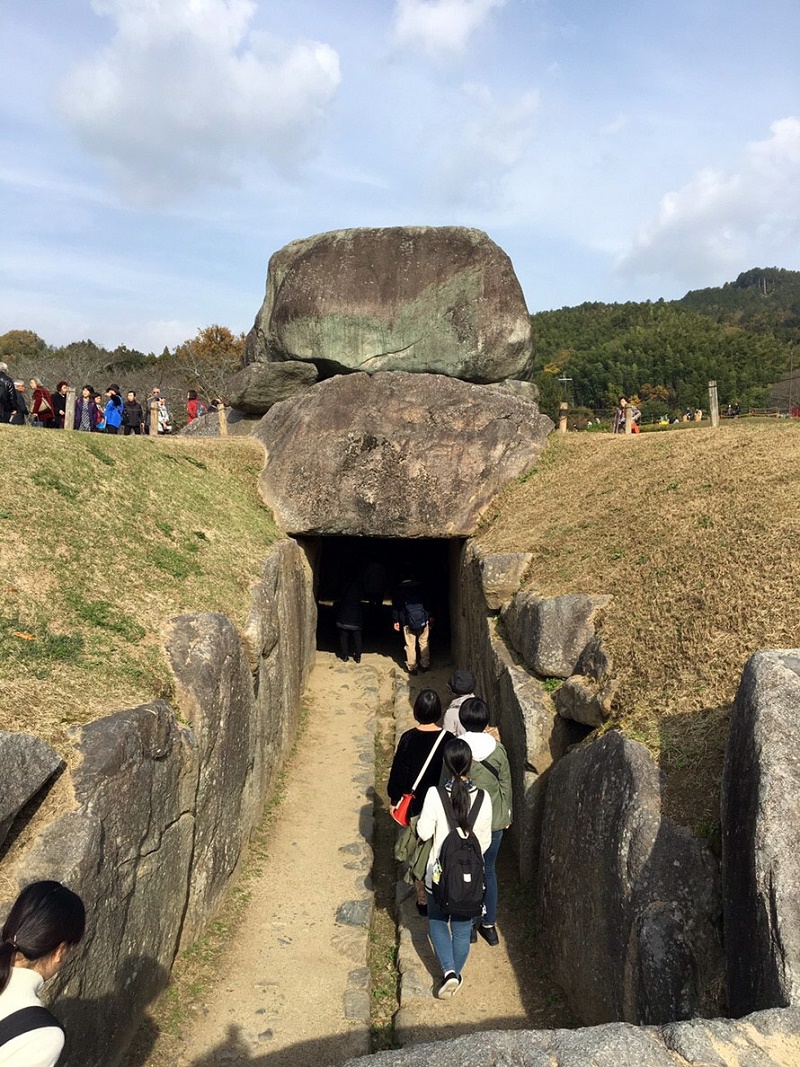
{"type": "Point", "coordinates": [107, 540]}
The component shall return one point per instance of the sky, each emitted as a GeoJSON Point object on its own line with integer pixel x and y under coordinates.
{"type": "Point", "coordinates": [155, 153]}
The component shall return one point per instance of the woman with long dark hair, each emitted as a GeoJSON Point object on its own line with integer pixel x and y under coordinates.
{"type": "Point", "coordinates": [44, 925]}
{"type": "Point", "coordinates": [450, 933]}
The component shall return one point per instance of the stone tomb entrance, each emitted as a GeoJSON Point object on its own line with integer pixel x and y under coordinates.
{"type": "Point", "coordinates": [340, 561]}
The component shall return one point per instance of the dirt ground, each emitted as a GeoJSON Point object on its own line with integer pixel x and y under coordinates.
{"type": "Point", "coordinates": [292, 985]}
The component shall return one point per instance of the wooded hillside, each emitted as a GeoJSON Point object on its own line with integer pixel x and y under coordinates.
{"type": "Point", "coordinates": [742, 334]}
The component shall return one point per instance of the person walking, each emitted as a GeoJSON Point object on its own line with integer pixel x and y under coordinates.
{"type": "Point", "coordinates": [8, 395]}
{"type": "Point", "coordinates": [410, 615]}
{"type": "Point", "coordinates": [42, 405]}
{"type": "Point", "coordinates": [490, 771]}
{"type": "Point", "coordinates": [21, 415]}
{"type": "Point", "coordinates": [423, 742]}
{"type": "Point", "coordinates": [115, 409]}
{"type": "Point", "coordinates": [132, 414]}
{"type": "Point", "coordinates": [470, 812]}
{"type": "Point", "coordinates": [45, 924]}
{"type": "Point", "coordinates": [350, 622]}
{"type": "Point", "coordinates": [462, 686]}
{"type": "Point", "coordinates": [87, 415]}
{"type": "Point", "coordinates": [60, 403]}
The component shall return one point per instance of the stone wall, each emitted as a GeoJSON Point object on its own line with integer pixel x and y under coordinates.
{"type": "Point", "coordinates": [533, 732]}
{"type": "Point", "coordinates": [628, 904]}
{"type": "Point", "coordinates": [761, 860]}
{"type": "Point", "coordinates": [166, 799]}
{"type": "Point", "coordinates": [765, 1039]}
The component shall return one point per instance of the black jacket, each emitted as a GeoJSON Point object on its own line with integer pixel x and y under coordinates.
{"type": "Point", "coordinates": [8, 397]}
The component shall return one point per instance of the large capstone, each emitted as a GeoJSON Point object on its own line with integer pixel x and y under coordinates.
{"type": "Point", "coordinates": [394, 454]}
{"type": "Point", "coordinates": [441, 300]}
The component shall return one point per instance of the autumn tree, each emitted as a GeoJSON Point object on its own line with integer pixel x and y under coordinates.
{"type": "Point", "coordinates": [210, 359]}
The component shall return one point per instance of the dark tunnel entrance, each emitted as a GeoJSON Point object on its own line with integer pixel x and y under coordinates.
{"type": "Point", "coordinates": [342, 561]}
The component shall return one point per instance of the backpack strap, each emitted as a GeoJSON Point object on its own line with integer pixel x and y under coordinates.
{"type": "Point", "coordinates": [450, 814]}
{"type": "Point", "coordinates": [23, 1021]}
{"type": "Point", "coordinates": [485, 763]}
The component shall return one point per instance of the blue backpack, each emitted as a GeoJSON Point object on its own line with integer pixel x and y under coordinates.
{"type": "Point", "coordinates": [416, 616]}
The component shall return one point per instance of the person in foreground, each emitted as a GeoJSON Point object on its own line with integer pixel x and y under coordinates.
{"type": "Point", "coordinates": [44, 925]}
{"type": "Point", "coordinates": [423, 743]}
{"type": "Point", "coordinates": [470, 817]}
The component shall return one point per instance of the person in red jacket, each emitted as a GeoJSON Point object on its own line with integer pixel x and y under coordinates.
{"type": "Point", "coordinates": [42, 406]}
{"type": "Point", "coordinates": [195, 408]}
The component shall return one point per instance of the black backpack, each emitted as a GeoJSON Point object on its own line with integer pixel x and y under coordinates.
{"type": "Point", "coordinates": [416, 616]}
{"type": "Point", "coordinates": [459, 889]}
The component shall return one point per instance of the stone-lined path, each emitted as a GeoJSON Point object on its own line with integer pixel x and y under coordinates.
{"type": "Point", "coordinates": [293, 987]}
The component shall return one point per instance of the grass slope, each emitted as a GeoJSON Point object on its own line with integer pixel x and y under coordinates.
{"type": "Point", "coordinates": [696, 535]}
{"type": "Point", "coordinates": [101, 540]}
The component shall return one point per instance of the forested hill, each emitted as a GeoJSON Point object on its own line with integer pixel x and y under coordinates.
{"type": "Point", "coordinates": [665, 353]}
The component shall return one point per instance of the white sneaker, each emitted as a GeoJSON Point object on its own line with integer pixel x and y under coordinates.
{"type": "Point", "coordinates": [449, 987]}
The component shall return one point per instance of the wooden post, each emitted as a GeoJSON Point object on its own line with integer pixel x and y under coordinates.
{"type": "Point", "coordinates": [153, 427]}
{"type": "Point", "coordinates": [69, 408]}
{"type": "Point", "coordinates": [713, 403]}
{"type": "Point", "coordinates": [223, 421]}
{"type": "Point", "coordinates": [628, 419]}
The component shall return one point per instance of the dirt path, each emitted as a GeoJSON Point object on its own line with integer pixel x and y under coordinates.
{"type": "Point", "coordinates": [293, 985]}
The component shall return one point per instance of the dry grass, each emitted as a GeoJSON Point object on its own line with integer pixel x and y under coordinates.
{"type": "Point", "coordinates": [696, 535]}
{"type": "Point", "coordinates": [101, 540]}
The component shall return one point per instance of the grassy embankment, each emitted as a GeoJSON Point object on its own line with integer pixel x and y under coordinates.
{"type": "Point", "coordinates": [102, 539]}
{"type": "Point", "coordinates": [696, 535]}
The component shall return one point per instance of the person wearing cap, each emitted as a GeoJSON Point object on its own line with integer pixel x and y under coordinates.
{"type": "Point", "coordinates": [462, 686]}
{"type": "Point", "coordinates": [114, 408]}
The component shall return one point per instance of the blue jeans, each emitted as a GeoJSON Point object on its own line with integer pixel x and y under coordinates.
{"type": "Point", "coordinates": [450, 938]}
{"type": "Point", "coordinates": [489, 916]}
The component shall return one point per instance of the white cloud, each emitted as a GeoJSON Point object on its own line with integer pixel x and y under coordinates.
{"type": "Point", "coordinates": [719, 223]}
{"type": "Point", "coordinates": [439, 27]}
{"type": "Point", "coordinates": [478, 154]}
{"type": "Point", "coordinates": [184, 97]}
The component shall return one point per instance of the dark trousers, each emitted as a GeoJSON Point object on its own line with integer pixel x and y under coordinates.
{"type": "Point", "coordinates": [344, 642]}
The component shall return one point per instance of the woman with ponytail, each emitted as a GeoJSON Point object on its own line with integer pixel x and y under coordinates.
{"type": "Point", "coordinates": [46, 922]}
{"type": "Point", "coordinates": [450, 934]}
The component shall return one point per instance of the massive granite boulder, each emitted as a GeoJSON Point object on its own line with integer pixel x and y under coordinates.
{"type": "Point", "coordinates": [394, 454]}
{"type": "Point", "coordinates": [761, 861]}
{"type": "Point", "coordinates": [441, 300]}
{"type": "Point", "coordinates": [260, 385]}
{"type": "Point", "coordinates": [26, 765]}
{"type": "Point", "coordinates": [629, 903]}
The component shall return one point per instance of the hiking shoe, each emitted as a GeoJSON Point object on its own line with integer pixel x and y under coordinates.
{"type": "Point", "coordinates": [357, 659]}
{"type": "Point", "coordinates": [489, 934]}
{"type": "Point", "coordinates": [450, 984]}
{"type": "Point", "coordinates": [473, 935]}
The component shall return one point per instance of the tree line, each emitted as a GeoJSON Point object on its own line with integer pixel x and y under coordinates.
{"type": "Point", "coordinates": [204, 363]}
{"type": "Point", "coordinates": [664, 354]}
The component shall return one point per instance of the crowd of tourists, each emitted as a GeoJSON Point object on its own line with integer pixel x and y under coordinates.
{"type": "Point", "coordinates": [116, 411]}
{"type": "Point", "coordinates": [450, 787]}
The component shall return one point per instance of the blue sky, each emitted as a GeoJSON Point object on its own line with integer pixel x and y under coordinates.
{"type": "Point", "coordinates": [155, 153]}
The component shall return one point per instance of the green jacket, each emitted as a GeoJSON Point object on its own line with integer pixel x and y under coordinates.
{"type": "Point", "coordinates": [492, 774]}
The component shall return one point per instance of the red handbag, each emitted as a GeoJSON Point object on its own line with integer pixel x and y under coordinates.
{"type": "Point", "coordinates": [400, 812]}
